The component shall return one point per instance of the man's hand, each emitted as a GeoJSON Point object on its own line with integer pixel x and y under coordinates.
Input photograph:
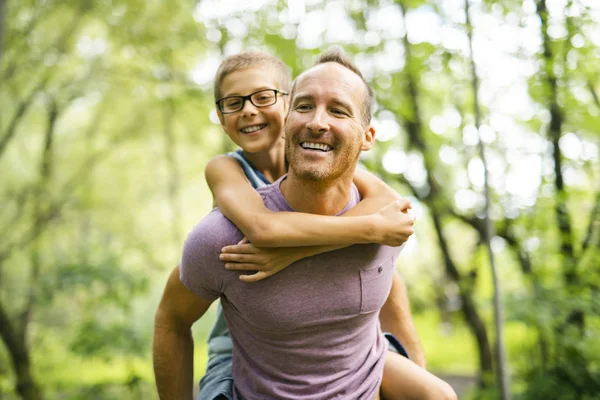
{"type": "Point", "coordinates": [395, 223]}
{"type": "Point", "coordinates": [267, 261]}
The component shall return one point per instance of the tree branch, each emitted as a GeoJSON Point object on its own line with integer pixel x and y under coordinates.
{"type": "Point", "coordinates": [54, 209]}
{"type": "Point", "coordinates": [44, 180]}
{"type": "Point", "coordinates": [593, 225]}
{"type": "Point", "coordinates": [58, 45]}
{"type": "Point", "coordinates": [2, 18]}
{"type": "Point", "coordinates": [19, 114]}
{"type": "Point", "coordinates": [594, 94]}
{"type": "Point", "coordinates": [554, 133]}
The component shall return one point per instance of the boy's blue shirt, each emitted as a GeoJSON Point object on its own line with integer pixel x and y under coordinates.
{"type": "Point", "coordinates": [257, 179]}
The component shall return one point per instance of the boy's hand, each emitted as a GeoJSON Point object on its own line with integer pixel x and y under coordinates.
{"type": "Point", "coordinates": [267, 261]}
{"type": "Point", "coordinates": [395, 223]}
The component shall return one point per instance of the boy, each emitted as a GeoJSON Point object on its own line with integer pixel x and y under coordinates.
{"type": "Point", "coordinates": [251, 90]}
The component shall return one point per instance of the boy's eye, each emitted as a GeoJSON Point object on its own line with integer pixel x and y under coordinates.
{"type": "Point", "coordinates": [263, 98]}
{"type": "Point", "coordinates": [232, 103]}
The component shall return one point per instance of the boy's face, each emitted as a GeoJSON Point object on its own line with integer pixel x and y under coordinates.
{"type": "Point", "coordinates": [253, 129]}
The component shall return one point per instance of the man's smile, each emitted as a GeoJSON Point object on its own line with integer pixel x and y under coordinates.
{"type": "Point", "coordinates": [316, 146]}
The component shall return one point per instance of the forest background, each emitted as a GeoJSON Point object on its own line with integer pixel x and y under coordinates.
{"type": "Point", "coordinates": [107, 121]}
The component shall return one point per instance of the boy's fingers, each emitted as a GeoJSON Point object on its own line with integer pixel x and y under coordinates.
{"type": "Point", "coordinates": [241, 267]}
{"type": "Point", "coordinates": [254, 277]}
{"type": "Point", "coordinates": [239, 248]}
{"type": "Point", "coordinates": [238, 258]}
{"type": "Point", "coordinates": [244, 240]}
{"type": "Point", "coordinates": [404, 204]}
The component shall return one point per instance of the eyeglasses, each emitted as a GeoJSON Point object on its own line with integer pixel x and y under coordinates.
{"type": "Point", "coordinates": [262, 98]}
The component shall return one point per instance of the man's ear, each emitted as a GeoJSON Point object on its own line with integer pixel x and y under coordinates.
{"type": "Point", "coordinates": [368, 138]}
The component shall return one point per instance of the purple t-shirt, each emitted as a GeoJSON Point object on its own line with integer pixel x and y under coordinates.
{"type": "Point", "coordinates": [310, 331]}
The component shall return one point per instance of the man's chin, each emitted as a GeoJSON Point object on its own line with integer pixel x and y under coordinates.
{"type": "Point", "coordinates": [311, 174]}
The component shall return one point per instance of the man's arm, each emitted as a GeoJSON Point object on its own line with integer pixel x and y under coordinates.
{"type": "Point", "coordinates": [173, 346]}
{"type": "Point", "coordinates": [395, 318]}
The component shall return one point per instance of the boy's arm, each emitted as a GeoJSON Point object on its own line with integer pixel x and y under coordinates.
{"type": "Point", "coordinates": [173, 346]}
{"type": "Point", "coordinates": [395, 318]}
{"type": "Point", "coordinates": [375, 192]}
{"type": "Point", "coordinates": [241, 204]}
{"type": "Point", "coordinates": [266, 261]}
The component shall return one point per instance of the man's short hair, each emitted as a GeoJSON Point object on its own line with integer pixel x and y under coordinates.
{"type": "Point", "coordinates": [254, 59]}
{"type": "Point", "coordinates": [337, 56]}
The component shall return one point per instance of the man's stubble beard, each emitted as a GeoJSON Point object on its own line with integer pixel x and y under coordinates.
{"type": "Point", "coordinates": [325, 173]}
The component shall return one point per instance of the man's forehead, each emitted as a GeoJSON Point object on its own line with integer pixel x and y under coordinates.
{"type": "Point", "coordinates": [332, 76]}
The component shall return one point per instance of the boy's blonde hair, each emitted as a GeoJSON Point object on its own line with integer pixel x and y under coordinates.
{"type": "Point", "coordinates": [254, 59]}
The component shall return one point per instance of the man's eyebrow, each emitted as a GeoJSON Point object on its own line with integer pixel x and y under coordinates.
{"type": "Point", "coordinates": [302, 97]}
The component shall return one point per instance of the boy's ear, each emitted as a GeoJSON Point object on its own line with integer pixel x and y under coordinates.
{"type": "Point", "coordinates": [368, 138]}
{"type": "Point", "coordinates": [221, 119]}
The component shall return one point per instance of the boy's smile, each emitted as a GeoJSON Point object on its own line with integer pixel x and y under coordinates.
{"type": "Point", "coordinates": [254, 129]}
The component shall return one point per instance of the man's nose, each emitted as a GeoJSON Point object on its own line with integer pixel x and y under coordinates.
{"type": "Point", "coordinates": [318, 123]}
{"type": "Point", "coordinates": [249, 109]}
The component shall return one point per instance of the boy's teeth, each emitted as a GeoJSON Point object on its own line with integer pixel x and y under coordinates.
{"type": "Point", "coordinates": [315, 146]}
{"type": "Point", "coordinates": [254, 128]}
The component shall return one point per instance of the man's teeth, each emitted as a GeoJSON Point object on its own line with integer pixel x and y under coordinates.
{"type": "Point", "coordinates": [315, 146]}
{"type": "Point", "coordinates": [253, 128]}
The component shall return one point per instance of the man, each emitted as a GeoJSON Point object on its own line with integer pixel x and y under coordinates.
{"type": "Point", "coordinates": [312, 330]}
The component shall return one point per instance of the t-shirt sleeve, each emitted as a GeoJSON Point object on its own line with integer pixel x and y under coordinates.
{"type": "Point", "coordinates": [201, 271]}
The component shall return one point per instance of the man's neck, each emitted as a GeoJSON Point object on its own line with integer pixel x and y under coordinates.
{"type": "Point", "coordinates": [271, 162]}
{"type": "Point", "coordinates": [317, 197]}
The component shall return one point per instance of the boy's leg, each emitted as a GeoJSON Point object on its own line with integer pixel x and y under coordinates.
{"type": "Point", "coordinates": [217, 382]}
{"type": "Point", "coordinates": [395, 345]}
{"type": "Point", "coordinates": [405, 380]}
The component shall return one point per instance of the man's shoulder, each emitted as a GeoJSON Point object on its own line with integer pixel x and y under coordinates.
{"type": "Point", "coordinates": [213, 231]}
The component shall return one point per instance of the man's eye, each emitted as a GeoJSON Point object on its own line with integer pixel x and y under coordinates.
{"type": "Point", "coordinates": [337, 111]}
{"type": "Point", "coordinates": [302, 107]}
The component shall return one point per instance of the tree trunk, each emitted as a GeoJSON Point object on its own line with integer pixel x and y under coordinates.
{"type": "Point", "coordinates": [502, 374]}
{"type": "Point", "coordinates": [19, 356]}
{"type": "Point", "coordinates": [474, 322]}
{"type": "Point", "coordinates": [414, 128]}
{"type": "Point", "coordinates": [554, 134]}
{"type": "Point", "coordinates": [2, 10]}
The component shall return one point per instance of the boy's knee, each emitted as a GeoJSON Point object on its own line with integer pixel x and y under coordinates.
{"type": "Point", "coordinates": [447, 393]}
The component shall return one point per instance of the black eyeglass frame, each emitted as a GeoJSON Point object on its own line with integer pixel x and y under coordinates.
{"type": "Point", "coordinates": [249, 97]}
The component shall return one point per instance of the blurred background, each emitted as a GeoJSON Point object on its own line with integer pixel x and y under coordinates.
{"type": "Point", "coordinates": [488, 119]}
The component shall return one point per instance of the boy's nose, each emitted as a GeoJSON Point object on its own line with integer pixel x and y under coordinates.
{"type": "Point", "coordinates": [249, 109]}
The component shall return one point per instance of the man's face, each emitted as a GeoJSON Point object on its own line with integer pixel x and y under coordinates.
{"type": "Point", "coordinates": [325, 132]}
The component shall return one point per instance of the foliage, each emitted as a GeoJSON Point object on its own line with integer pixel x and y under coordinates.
{"type": "Point", "coordinates": [106, 125]}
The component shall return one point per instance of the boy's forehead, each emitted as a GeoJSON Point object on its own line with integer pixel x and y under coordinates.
{"type": "Point", "coordinates": [244, 81]}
